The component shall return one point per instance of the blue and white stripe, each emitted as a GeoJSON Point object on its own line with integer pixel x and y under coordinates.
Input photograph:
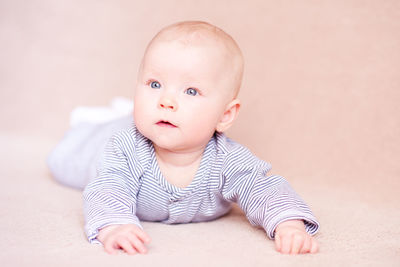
{"type": "Point", "coordinates": [130, 188]}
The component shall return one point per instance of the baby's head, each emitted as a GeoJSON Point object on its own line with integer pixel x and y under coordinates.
{"type": "Point", "coordinates": [187, 85]}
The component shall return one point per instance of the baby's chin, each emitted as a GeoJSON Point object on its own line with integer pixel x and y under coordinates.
{"type": "Point", "coordinates": [176, 145]}
{"type": "Point", "coordinates": [162, 144]}
{"type": "Point", "coordinates": [161, 141]}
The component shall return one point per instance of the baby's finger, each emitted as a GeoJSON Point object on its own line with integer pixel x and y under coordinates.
{"type": "Point", "coordinates": [142, 235]}
{"type": "Point", "coordinates": [126, 246]}
{"type": "Point", "coordinates": [306, 246]}
{"type": "Point", "coordinates": [286, 243]}
{"type": "Point", "coordinates": [110, 247]}
{"type": "Point", "coordinates": [278, 244]}
{"type": "Point", "coordinates": [137, 244]}
{"type": "Point", "coordinates": [297, 244]}
{"type": "Point", "coordinates": [314, 246]}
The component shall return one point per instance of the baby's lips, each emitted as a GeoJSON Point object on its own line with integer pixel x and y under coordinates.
{"type": "Point", "coordinates": [165, 124]}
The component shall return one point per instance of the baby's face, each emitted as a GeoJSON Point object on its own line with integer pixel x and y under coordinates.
{"type": "Point", "coordinates": [182, 93]}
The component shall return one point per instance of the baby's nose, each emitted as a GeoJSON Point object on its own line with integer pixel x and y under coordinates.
{"type": "Point", "coordinates": [168, 103]}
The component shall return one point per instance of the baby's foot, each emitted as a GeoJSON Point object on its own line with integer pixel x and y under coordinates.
{"type": "Point", "coordinates": [119, 107]}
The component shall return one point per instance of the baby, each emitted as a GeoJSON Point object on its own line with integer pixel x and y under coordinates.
{"type": "Point", "coordinates": [173, 164]}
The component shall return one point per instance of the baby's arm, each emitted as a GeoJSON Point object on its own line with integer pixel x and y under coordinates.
{"type": "Point", "coordinates": [268, 201]}
{"type": "Point", "coordinates": [127, 237]}
{"type": "Point", "coordinates": [110, 201]}
{"type": "Point", "coordinates": [292, 238]}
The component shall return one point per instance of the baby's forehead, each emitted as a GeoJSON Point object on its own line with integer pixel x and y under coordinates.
{"type": "Point", "coordinates": [197, 34]}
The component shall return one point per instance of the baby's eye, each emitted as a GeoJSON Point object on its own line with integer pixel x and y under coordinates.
{"type": "Point", "coordinates": [191, 91]}
{"type": "Point", "coordinates": [155, 85]}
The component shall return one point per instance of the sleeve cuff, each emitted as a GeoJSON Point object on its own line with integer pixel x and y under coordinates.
{"type": "Point", "coordinates": [310, 222]}
{"type": "Point", "coordinates": [93, 230]}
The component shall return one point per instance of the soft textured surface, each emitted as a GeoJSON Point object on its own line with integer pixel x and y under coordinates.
{"type": "Point", "coordinates": [320, 103]}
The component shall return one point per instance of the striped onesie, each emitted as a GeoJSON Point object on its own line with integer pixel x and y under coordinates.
{"type": "Point", "coordinates": [129, 188]}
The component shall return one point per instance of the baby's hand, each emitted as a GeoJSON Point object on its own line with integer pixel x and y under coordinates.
{"type": "Point", "coordinates": [127, 237]}
{"type": "Point", "coordinates": [292, 238]}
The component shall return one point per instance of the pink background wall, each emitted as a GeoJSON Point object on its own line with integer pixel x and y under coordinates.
{"type": "Point", "coordinates": [321, 93]}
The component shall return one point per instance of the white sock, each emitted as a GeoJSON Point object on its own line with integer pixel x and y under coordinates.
{"type": "Point", "coordinates": [119, 107]}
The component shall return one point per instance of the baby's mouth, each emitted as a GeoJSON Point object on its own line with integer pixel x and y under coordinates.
{"type": "Point", "coordinates": [166, 124]}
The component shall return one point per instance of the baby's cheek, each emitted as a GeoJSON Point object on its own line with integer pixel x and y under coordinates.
{"type": "Point", "coordinates": [137, 114]}
{"type": "Point", "coordinates": [141, 118]}
{"type": "Point", "coordinates": [202, 127]}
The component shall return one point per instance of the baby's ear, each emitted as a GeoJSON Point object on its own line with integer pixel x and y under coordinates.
{"type": "Point", "coordinates": [229, 116]}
